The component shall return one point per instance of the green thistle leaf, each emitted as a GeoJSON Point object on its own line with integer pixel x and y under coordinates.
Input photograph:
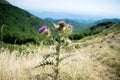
{"type": "Point", "coordinates": [55, 35]}
{"type": "Point", "coordinates": [45, 63]}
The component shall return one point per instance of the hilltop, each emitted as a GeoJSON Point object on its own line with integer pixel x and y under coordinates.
{"type": "Point", "coordinates": [4, 2]}
{"type": "Point", "coordinates": [115, 20]}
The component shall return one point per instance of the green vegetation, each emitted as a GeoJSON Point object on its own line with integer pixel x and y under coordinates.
{"type": "Point", "coordinates": [101, 28]}
{"type": "Point", "coordinates": [18, 26]}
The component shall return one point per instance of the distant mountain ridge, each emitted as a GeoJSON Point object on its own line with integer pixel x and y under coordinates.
{"type": "Point", "coordinates": [81, 24]}
{"type": "Point", "coordinates": [81, 17]}
{"type": "Point", "coordinates": [76, 25]}
{"type": "Point", "coordinates": [116, 20]}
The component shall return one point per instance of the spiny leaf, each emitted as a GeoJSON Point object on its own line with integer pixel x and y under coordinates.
{"type": "Point", "coordinates": [55, 26]}
{"type": "Point", "coordinates": [45, 63]}
{"type": "Point", "coordinates": [55, 34]}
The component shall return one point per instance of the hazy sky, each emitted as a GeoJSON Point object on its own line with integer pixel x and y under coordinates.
{"type": "Point", "coordinates": [107, 8]}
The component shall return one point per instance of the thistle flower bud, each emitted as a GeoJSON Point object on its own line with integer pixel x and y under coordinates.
{"type": "Point", "coordinates": [62, 24]}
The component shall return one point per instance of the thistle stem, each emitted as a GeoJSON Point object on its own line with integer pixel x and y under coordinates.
{"type": "Point", "coordinates": [56, 77]}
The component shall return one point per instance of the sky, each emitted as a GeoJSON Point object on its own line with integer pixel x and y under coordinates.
{"type": "Point", "coordinates": [102, 8]}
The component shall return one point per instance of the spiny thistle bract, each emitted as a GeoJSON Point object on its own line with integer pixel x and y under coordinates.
{"type": "Point", "coordinates": [58, 33]}
{"type": "Point", "coordinates": [64, 29]}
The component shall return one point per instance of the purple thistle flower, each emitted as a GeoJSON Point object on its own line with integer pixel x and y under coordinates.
{"type": "Point", "coordinates": [42, 28]}
{"type": "Point", "coordinates": [69, 25]}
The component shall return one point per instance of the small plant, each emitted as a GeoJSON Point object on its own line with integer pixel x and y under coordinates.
{"type": "Point", "coordinates": [59, 35]}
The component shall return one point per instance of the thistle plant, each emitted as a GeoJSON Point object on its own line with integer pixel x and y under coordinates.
{"type": "Point", "coordinates": [59, 34]}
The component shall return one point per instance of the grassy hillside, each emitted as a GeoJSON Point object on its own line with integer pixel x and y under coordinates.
{"type": "Point", "coordinates": [94, 58]}
{"type": "Point", "coordinates": [102, 28]}
{"type": "Point", "coordinates": [19, 26]}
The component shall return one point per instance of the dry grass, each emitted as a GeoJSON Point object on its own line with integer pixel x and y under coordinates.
{"type": "Point", "coordinates": [20, 68]}
{"type": "Point", "coordinates": [98, 60]}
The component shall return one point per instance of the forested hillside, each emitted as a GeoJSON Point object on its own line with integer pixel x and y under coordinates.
{"type": "Point", "coordinates": [19, 26]}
